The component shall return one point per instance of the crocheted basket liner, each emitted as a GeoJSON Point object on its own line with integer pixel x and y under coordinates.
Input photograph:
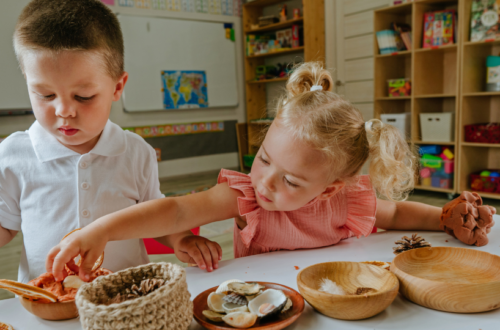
{"type": "Point", "coordinates": [168, 307]}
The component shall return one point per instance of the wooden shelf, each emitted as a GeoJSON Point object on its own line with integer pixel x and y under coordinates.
{"type": "Point", "coordinates": [266, 81]}
{"type": "Point", "coordinates": [401, 53]}
{"type": "Point", "coordinates": [482, 94]}
{"type": "Point", "coordinates": [404, 8]}
{"type": "Point", "coordinates": [262, 3]}
{"type": "Point", "coordinates": [481, 145]}
{"type": "Point", "coordinates": [281, 52]}
{"type": "Point", "coordinates": [438, 143]}
{"type": "Point", "coordinates": [437, 48]}
{"type": "Point", "coordinates": [487, 195]}
{"type": "Point", "coordinates": [430, 96]}
{"type": "Point", "coordinates": [429, 188]}
{"type": "Point", "coordinates": [276, 26]}
{"type": "Point", "coordinates": [482, 43]}
{"type": "Point", "coordinates": [395, 98]}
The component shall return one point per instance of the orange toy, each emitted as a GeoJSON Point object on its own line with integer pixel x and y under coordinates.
{"type": "Point", "coordinates": [467, 219]}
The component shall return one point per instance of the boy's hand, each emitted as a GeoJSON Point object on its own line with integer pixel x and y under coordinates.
{"type": "Point", "coordinates": [199, 250]}
{"type": "Point", "coordinates": [86, 243]}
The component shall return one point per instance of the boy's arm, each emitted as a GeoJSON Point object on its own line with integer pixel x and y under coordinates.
{"type": "Point", "coordinates": [154, 218]}
{"type": "Point", "coordinates": [6, 235]}
{"type": "Point", "coordinates": [407, 216]}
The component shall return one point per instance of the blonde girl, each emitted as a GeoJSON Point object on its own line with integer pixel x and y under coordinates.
{"type": "Point", "coordinates": [305, 189]}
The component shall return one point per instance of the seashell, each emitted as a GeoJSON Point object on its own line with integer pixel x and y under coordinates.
{"type": "Point", "coordinates": [245, 289]}
{"type": "Point", "coordinates": [72, 281]}
{"type": "Point", "coordinates": [215, 302]}
{"type": "Point", "coordinates": [241, 320]}
{"type": "Point", "coordinates": [268, 303]}
{"type": "Point", "coordinates": [287, 306]}
{"type": "Point", "coordinates": [250, 298]}
{"type": "Point", "coordinates": [232, 308]}
{"type": "Point", "coordinates": [223, 287]}
{"type": "Point", "coordinates": [235, 299]}
{"type": "Point", "coordinates": [213, 316]}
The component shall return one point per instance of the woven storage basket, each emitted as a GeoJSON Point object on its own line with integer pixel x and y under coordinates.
{"type": "Point", "coordinates": [168, 307]}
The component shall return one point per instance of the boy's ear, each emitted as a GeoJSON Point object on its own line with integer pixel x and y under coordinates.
{"type": "Point", "coordinates": [332, 190]}
{"type": "Point", "coordinates": [120, 85]}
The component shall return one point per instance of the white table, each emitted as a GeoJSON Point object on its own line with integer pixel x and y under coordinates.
{"type": "Point", "coordinates": [279, 267]}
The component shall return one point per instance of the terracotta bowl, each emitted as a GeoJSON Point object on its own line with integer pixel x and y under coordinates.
{"type": "Point", "coordinates": [459, 280]}
{"type": "Point", "coordinates": [349, 275]}
{"type": "Point", "coordinates": [281, 321]}
{"type": "Point", "coordinates": [51, 311]}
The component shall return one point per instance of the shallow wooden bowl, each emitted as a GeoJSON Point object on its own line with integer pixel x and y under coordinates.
{"type": "Point", "coordinates": [53, 311]}
{"type": "Point", "coordinates": [274, 323]}
{"type": "Point", "coordinates": [449, 279]}
{"type": "Point", "coordinates": [349, 275]}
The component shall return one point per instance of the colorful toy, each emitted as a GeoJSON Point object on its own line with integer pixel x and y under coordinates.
{"type": "Point", "coordinates": [447, 154]}
{"type": "Point", "coordinates": [426, 182]}
{"type": "Point", "coordinates": [425, 172]}
{"type": "Point", "coordinates": [431, 161]}
{"type": "Point", "coordinates": [283, 13]}
{"type": "Point", "coordinates": [430, 149]}
{"type": "Point", "coordinates": [296, 13]}
{"type": "Point", "coordinates": [399, 87]}
{"type": "Point", "coordinates": [485, 173]}
{"type": "Point", "coordinates": [495, 175]}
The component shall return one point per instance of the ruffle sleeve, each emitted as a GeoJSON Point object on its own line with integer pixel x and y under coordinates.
{"type": "Point", "coordinates": [361, 202]}
{"type": "Point", "coordinates": [247, 204]}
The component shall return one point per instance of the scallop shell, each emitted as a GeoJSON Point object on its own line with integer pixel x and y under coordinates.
{"type": "Point", "coordinates": [232, 308]}
{"type": "Point", "coordinates": [215, 302]}
{"type": "Point", "coordinates": [288, 305]}
{"type": "Point", "coordinates": [235, 299]}
{"type": "Point", "coordinates": [223, 287]}
{"type": "Point", "coordinates": [250, 298]}
{"type": "Point", "coordinates": [245, 289]}
{"type": "Point", "coordinates": [213, 316]}
{"type": "Point", "coordinates": [241, 320]}
{"type": "Point", "coordinates": [268, 303]}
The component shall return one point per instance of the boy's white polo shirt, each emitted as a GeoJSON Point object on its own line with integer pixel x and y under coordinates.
{"type": "Point", "coordinates": [47, 190]}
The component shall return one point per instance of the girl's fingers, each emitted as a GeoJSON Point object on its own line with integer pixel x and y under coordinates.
{"type": "Point", "coordinates": [49, 262]}
{"type": "Point", "coordinates": [61, 258]}
{"type": "Point", "coordinates": [197, 257]}
{"type": "Point", "coordinates": [207, 255]}
{"type": "Point", "coordinates": [212, 246]}
{"type": "Point", "coordinates": [72, 266]}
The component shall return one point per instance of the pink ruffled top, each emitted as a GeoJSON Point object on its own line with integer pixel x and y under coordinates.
{"type": "Point", "coordinates": [351, 212]}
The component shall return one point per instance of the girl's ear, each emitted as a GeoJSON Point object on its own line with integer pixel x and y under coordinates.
{"type": "Point", "coordinates": [332, 190]}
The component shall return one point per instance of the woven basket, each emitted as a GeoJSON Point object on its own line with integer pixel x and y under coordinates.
{"type": "Point", "coordinates": [168, 307]}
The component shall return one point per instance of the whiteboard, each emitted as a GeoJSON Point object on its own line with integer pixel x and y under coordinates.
{"type": "Point", "coordinates": [153, 45]}
{"type": "Point", "coordinates": [13, 90]}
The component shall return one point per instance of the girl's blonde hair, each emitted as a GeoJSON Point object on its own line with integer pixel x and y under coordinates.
{"type": "Point", "coordinates": [334, 126]}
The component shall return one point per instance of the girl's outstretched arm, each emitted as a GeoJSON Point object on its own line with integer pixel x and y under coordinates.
{"type": "Point", "coordinates": [154, 218]}
{"type": "Point", "coordinates": [407, 216]}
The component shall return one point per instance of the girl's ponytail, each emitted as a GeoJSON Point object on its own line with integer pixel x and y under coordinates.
{"type": "Point", "coordinates": [393, 164]}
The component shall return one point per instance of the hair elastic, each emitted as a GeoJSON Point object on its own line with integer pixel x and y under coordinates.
{"type": "Point", "coordinates": [316, 88]}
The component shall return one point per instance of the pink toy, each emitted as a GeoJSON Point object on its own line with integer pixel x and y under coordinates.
{"type": "Point", "coordinates": [425, 172]}
{"type": "Point", "coordinates": [449, 167]}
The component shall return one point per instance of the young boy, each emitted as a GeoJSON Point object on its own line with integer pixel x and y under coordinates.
{"type": "Point", "coordinates": [73, 165]}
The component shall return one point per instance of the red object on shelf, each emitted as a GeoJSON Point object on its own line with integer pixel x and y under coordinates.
{"type": "Point", "coordinates": [483, 133]}
{"type": "Point", "coordinates": [153, 247]}
{"type": "Point", "coordinates": [487, 184]}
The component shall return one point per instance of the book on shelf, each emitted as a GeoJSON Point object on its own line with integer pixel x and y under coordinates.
{"type": "Point", "coordinates": [484, 21]}
{"type": "Point", "coordinates": [439, 28]}
{"type": "Point", "coordinates": [404, 31]}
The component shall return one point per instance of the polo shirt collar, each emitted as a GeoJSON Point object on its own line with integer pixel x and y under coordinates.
{"type": "Point", "coordinates": [47, 148]}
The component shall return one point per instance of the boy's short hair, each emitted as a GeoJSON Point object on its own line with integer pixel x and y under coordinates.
{"type": "Point", "coordinates": [58, 25]}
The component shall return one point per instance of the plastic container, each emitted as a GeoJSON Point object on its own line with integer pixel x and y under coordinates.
{"type": "Point", "coordinates": [437, 126]}
{"type": "Point", "coordinates": [436, 172]}
{"type": "Point", "coordinates": [490, 184]}
{"type": "Point", "coordinates": [493, 73]}
{"type": "Point", "coordinates": [399, 87]}
{"type": "Point", "coordinates": [402, 121]}
{"type": "Point", "coordinates": [483, 133]}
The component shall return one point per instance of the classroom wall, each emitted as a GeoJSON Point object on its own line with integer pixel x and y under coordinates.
{"type": "Point", "coordinates": [11, 124]}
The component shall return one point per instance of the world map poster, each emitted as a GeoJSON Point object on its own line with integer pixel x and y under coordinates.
{"type": "Point", "coordinates": [184, 89]}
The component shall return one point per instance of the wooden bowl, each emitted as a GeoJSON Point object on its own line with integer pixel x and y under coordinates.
{"type": "Point", "coordinates": [349, 275]}
{"type": "Point", "coordinates": [275, 323]}
{"type": "Point", "coordinates": [51, 311]}
{"type": "Point", "coordinates": [449, 279]}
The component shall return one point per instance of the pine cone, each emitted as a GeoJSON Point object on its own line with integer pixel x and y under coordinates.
{"type": "Point", "coordinates": [146, 287]}
{"type": "Point", "coordinates": [407, 243]}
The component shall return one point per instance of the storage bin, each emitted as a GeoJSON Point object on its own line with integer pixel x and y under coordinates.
{"type": "Point", "coordinates": [489, 184]}
{"type": "Point", "coordinates": [402, 121]}
{"type": "Point", "coordinates": [482, 133]}
{"type": "Point", "coordinates": [399, 87]}
{"type": "Point", "coordinates": [437, 127]}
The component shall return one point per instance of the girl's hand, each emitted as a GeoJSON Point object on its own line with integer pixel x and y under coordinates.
{"type": "Point", "coordinates": [87, 243]}
{"type": "Point", "coordinates": [199, 250]}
